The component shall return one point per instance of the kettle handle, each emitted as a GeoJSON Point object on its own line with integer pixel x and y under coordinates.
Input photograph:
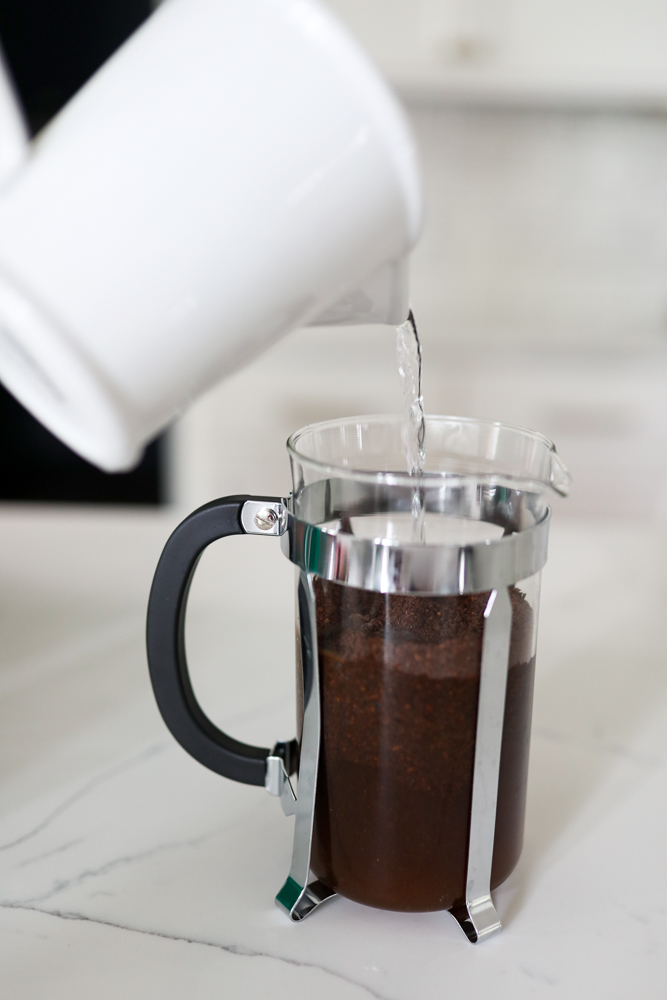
{"type": "Point", "coordinates": [165, 643]}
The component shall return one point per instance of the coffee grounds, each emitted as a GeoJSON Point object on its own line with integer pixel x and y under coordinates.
{"type": "Point", "coordinates": [399, 689]}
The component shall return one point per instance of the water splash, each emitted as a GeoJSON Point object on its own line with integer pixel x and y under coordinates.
{"type": "Point", "coordinates": [409, 353]}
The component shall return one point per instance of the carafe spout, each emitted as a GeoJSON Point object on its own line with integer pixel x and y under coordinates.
{"type": "Point", "coordinates": [559, 478]}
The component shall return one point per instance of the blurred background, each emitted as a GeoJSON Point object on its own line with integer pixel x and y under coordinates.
{"type": "Point", "coordinates": [540, 283]}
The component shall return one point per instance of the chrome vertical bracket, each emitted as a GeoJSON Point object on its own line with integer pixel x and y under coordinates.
{"type": "Point", "coordinates": [301, 894]}
{"type": "Point", "coordinates": [277, 780]}
{"type": "Point", "coordinates": [477, 915]}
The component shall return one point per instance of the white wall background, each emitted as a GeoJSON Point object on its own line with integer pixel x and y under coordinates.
{"type": "Point", "coordinates": [543, 225]}
{"type": "Point", "coordinates": [581, 51]}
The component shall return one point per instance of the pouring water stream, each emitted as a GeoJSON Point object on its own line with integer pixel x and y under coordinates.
{"type": "Point", "coordinates": [409, 353]}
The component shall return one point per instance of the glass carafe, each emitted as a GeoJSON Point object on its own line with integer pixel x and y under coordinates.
{"type": "Point", "coordinates": [415, 659]}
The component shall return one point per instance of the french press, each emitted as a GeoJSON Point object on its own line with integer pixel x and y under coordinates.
{"type": "Point", "coordinates": [415, 660]}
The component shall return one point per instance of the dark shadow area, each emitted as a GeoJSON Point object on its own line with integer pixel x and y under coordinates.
{"type": "Point", "coordinates": [52, 47]}
{"type": "Point", "coordinates": [36, 466]}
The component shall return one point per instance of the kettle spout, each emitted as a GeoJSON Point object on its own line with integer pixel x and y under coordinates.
{"type": "Point", "coordinates": [383, 298]}
{"type": "Point", "coordinates": [14, 138]}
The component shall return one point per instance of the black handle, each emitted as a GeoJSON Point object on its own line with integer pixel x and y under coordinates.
{"type": "Point", "coordinates": [166, 643]}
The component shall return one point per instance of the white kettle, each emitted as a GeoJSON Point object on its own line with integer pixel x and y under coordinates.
{"type": "Point", "coordinates": [238, 168]}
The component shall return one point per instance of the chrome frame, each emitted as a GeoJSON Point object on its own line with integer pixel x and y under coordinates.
{"type": "Point", "coordinates": [390, 567]}
{"type": "Point", "coordinates": [301, 894]}
{"type": "Point", "coordinates": [477, 916]}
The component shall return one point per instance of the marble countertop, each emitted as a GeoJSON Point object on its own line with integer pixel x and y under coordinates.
{"type": "Point", "coordinates": [127, 870]}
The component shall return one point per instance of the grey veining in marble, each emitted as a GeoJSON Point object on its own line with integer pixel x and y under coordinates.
{"type": "Point", "coordinates": [128, 870]}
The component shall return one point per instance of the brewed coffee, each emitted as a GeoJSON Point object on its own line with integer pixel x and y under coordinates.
{"type": "Point", "coordinates": [399, 691]}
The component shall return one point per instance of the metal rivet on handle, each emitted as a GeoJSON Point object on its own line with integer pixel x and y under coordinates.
{"type": "Point", "coordinates": [265, 519]}
{"type": "Point", "coordinates": [263, 516]}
